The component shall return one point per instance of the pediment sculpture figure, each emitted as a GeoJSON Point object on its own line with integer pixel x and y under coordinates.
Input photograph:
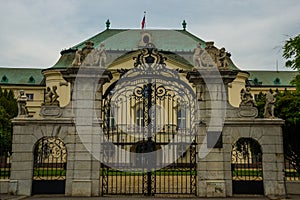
{"type": "Point", "coordinates": [89, 56]}
{"type": "Point", "coordinates": [222, 62]}
{"type": "Point", "coordinates": [89, 46]}
{"type": "Point", "coordinates": [102, 55]}
{"type": "Point", "coordinates": [197, 56]}
{"type": "Point", "coordinates": [212, 53]}
{"type": "Point", "coordinates": [77, 59]}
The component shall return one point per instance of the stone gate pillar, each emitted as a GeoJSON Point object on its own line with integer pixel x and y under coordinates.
{"type": "Point", "coordinates": [212, 105]}
{"type": "Point", "coordinates": [87, 83]}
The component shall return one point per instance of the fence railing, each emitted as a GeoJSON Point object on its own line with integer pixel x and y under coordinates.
{"type": "Point", "coordinates": [5, 163]}
{"type": "Point", "coordinates": [291, 173]}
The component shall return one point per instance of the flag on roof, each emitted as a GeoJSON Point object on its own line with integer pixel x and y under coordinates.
{"type": "Point", "coordinates": [144, 20]}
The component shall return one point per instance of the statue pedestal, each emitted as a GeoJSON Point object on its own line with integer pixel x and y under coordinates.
{"type": "Point", "coordinates": [50, 111]}
{"type": "Point", "coordinates": [248, 111]}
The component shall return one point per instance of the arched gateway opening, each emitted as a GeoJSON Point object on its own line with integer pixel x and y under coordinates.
{"type": "Point", "coordinates": [50, 164]}
{"type": "Point", "coordinates": [246, 167]}
{"type": "Point", "coordinates": [149, 124]}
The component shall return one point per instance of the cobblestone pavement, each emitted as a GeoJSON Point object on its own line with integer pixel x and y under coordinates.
{"type": "Point", "coordinates": [60, 197]}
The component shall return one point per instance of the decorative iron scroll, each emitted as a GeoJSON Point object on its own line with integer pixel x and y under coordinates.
{"type": "Point", "coordinates": [246, 160]}
{"type": "Point", "coordinates": [50, 159]}
{"type": "Point", "coordinates": [142, 108]}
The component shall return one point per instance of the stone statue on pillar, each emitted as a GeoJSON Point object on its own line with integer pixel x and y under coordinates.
{"type": "Point", "coordinates": [51, 107]}
{"type": "Point", "coordinates": [51, 97]}
{"type": "Point", "coordinates": [248, 105]}
{"type": "Point", "coordinates": [269, 106]}
{"type": "Point", "coordinates": [247, 98]}
{"type": "Point", "coordinates": [22, 101]}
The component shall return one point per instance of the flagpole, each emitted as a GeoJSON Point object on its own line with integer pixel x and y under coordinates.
{"type": "Point", "coordinates": [145, 18]}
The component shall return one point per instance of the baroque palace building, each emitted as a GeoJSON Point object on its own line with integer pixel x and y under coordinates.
{"type": "Point", "coordinates": [119, 41]}
{"type": "Point", "coordinates": [162, 92]}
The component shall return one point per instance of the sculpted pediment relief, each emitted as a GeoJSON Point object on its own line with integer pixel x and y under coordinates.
{"type": "Point", "coordinates": [210, 56]}
{"type": "Point", "coordinates": [90, 56]}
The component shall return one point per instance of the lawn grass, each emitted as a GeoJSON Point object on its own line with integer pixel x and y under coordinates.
{"type": "Point", "coordinates": [5, 173]}
{"type": "Point", "coordinates": [49, 172]}
{"type": "Point", "coordinates": [247, 172]}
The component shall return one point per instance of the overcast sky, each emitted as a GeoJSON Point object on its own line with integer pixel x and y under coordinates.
{"type": "Point", "coordinates": [33, 32]}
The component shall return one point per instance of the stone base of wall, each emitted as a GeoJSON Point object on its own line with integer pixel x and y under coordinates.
{"type": "Point", "coordinates": [293, 187]}
{"type": "Point", "coordinates": [4, 184]}
{"type": "Point", "coordinates": [82, 188]}
{"type": "Point", "coordinates": [211, 188]}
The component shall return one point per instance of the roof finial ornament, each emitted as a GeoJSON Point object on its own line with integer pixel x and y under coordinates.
{"type": "Point", "coordinates": [107, 24]}
{"type": "Point", "coordinates": [184, 25]}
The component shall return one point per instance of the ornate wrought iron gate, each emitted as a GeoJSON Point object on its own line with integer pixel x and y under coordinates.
{"type": "Point", "coordinates": [246, 167]}
{"type": "Point", "coordinates": [149, 143]}
{"type": "Point", "coordinates": [49, 170]}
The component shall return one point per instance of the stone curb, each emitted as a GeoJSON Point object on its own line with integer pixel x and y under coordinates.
{"type": "Point", "coordinates": [13, 197]}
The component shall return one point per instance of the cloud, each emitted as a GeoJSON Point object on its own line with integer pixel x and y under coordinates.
{"type": "Point", "coordinates": [34, 32]}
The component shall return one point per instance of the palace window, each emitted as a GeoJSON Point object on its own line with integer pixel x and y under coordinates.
{"type": "Point", "coordinates": [111, 120]}
{"type": "Point", "coordinates": [181, 119]}
{"type": "Point", "coordinates": [30, 97]}
{"type": "Point", "coordinates": [139, 116]}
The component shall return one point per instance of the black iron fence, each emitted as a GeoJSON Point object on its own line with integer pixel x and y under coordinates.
{"type": "Point", "coordinates": [292, 173]}
{"type": "Point", "coordinates": [5, 162]}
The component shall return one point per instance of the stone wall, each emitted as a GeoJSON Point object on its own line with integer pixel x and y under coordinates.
{"type": "Point", "coordinates": [4, 184]}
{"type": "Point", "coordinates": [293, 187]}
{"type": "Point", "coordinates": [82, 176]}
{"type": "Point", "coordinates": [214, 170]}
{"type": "Point", "coordinates": [268, 133]}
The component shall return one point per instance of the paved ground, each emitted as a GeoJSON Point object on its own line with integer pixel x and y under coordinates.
{"type": "Point", "coordinates": [60, 197]}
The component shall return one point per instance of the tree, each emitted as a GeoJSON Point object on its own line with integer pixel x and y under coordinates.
{"type": "Point", "coordinates": [260, 101]}
{"type": "Point", "coordinates": [5, 131]}
{"type": "Point", "coordinates": [288, 108]}
{"type": "Point", "coordinates": [8, 110]}
{"type": "Point", "coordinates": [291, 52]}
{"type": "Point", "coordinates": [296, 82]}
{"type": "Point", "coordinates": [288, 104]}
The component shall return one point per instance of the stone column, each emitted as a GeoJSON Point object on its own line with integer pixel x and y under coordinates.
{"type": "Point", "coordinates": [22, 159]}
{"type": "Point", "coordinates": [273, 157]}
{"type": "Point", "coordinates": [86, 103]}
{"type": "Point", "coordinates": [210, 165]}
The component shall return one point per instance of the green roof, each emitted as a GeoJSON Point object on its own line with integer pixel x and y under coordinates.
{"type": "Point", "coordinates": [21, 76]}
{"type": "Point", "coordinates": [127, 40]}
{"type": "Point", "coordinates": [271, 78]}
